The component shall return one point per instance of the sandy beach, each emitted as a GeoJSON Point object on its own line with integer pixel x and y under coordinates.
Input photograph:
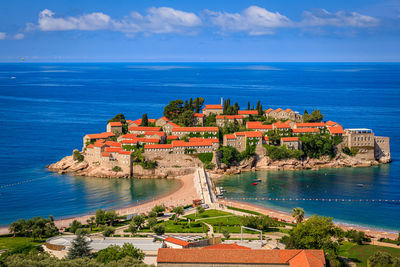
{"type": "Point", "coordinates": [182, 196]}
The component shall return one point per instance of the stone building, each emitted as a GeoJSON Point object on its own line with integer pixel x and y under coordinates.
{"type": "Point", "coordinates": [363, 140]}
{"type": "Point", "coordinates": [291, 142]}
{"type": "Point", "coordinates": [336, 130]}
{"type": "Point", "coordinates": [213, 109]}
{"type": "Point", "coordinates": [310, 125]}
{"type": "Point", "coordinates": [138, 122]}
{"type": "Point", "coordinates": [280, 114]}
{"type": "Point", "coordinates": [114, 127]}
{"type": "Point", "coordinates": [195, 145]}
{"type": "Point", "coordinates": [247, 113]}
{"type": "Point", "coordinates": [258, 126]}
{"type": "Point", "coordinates": [142, 129]}
{"type": "Point", "coordinates": [91, 138]}
{"type": "Point", "coordinates": [199, 119]}
{"type": "Point", "coordinates": [222, 120]}
{"type": "Point", "coordinates": [182, 131]}
{"type": "Point", "coordinates": [161, 121]}
{"type": "Point", "coordinates": [382, 149]}
{"type": "Point", "coordinates": [239, 140]}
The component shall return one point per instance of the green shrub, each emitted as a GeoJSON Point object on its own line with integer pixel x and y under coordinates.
{"type": "Point", "coordinates": [209, 165]}
{"type": "Point", "coordinates": [117, 169]}
{"type": "Point", "coordinates": [78, 156]}
{"type": "Point", "coordinates": [350, 151]}
{"type": "Point", "coordinates": [205, 157]}
{"type": "Point", "coordinates": [282, 152]}
{"type": "Point", "coordinates": [116, 235]}
{"type": "Point", "coordinates": [108, 231]}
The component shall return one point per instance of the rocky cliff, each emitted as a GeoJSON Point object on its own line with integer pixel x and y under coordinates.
{"type": "Point", "coordinates": [168, 167]}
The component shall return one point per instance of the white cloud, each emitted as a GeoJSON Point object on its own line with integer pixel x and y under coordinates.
{"type": "Point", "coordinates": [156, 20]}
{"type": "Point", "coordinates": [254, 20]}
{"type": "Point", "coordinates": [321, 17]}
{"type": "Point", "coordinates": [88, 22]}
{"type": "Point", "coordinates": [18, 36]}
{"type": "Point", "coordinates": [3, 35]}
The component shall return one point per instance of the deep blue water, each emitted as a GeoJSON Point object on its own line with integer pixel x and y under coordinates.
{"type": "Point", "coordinates": [47, 108]}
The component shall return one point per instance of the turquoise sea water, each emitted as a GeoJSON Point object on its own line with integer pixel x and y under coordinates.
{"type": "Point", "coordinates": [45, 110]}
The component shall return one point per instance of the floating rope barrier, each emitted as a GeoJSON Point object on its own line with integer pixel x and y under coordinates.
{"type": "Point", "coordinates": [316, 199]}
{"type": "Point", "coordinates": [21, 182]}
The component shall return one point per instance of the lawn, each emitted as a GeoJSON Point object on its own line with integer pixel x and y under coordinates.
{"type": "Point", "coordinates": [208, 214]}
{"type": "Point", "coordinates": [360, 253]}
{"type": "Point", "coordinates": [181, 226]}
{"type": "Point", "coordinates": [13, 242]}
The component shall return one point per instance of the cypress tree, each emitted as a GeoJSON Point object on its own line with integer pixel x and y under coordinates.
{"type": "Point", "coordinates": [145, 120]}
{"type": "Point", "coordinates": [191, 104]}
{"type": "Point", "coordinates": [248, 105]}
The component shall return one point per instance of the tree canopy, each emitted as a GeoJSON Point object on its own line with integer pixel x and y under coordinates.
{"type": "Point", "coordinates": [315, 116]}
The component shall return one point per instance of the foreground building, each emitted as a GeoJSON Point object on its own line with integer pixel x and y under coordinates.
{"type": "Point", "coordinates": [239, 257]}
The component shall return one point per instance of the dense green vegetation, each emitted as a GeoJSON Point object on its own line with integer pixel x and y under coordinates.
{"type": "Point", "coordinates": [282, 152]}
{"type": "Point", "coordinates": [121, 118]}
{"type": "Point", "coordinates": [139, 159]}
{"type": "Point", "coordinates": [76, 155]}
{"type": "Point", "coordinates": [206, 158]}
{"type": "Point", "coordinates": [315, 116]}
{"type": "Point", "coordinates": [231, 156]}
{"type": "Point", "coordinates": [181, 112]}
{"type": "Point", "coordinates": [317, 145]}
{"type": "Point", "coordinates": [37, 227]}
{"type": "Point", "coordinates": [350, 151]}
{"type": "Point", "coordinates": [230, 110]}
{"type": "Point", "coordinates": [361, 253]}
{"type": "Point", "coordinates": [117, 168]}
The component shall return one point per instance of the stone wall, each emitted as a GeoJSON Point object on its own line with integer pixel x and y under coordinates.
{"type": "Point", "coordinates": [382, 149]}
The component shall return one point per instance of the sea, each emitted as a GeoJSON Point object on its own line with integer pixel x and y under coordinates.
{"type": "Point", "coordinates": [47, 108]}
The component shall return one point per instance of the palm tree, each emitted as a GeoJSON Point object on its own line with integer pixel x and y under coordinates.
{"type": "Point", "coordinates": [298, 214]}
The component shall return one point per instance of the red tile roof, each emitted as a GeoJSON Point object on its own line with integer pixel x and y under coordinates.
{"type": "Point", "coordinates": [99, 144]}
{"type": "Point", "coordinates": [90, 146]}
{"type": "Point", "coordinates": [165, 146]}
{"type": "Point", "coordinates": [331, 123]}
{"type": "Point", "coordinates": [173, 124]}
{"type": "Point", "coordinates": [230, 136]}
{"type": "Point", "coordinates": [265, 138]}
{"type": "Point", "coordinates": [213, 107]}
{"type": "Point", "coordinates": [268, 110]}
{"type": "Point", "coordinates": [198, 115]}
{"type": "Point", "coordinates": [164, 119]}
{"type": "Point", "coordinates": [289, 139]}
{"type": "Point", "coordinates": [112, 143]}
{"type": "Point", "coordinates": [281, 125]}
{"type": "Point", "coordinates": [130, 141]}
{"type": "Point", "coordinates": [240, 256]}
{"type": "Point", "coordinates": [101, 135]}
{"type": "Point", "coordinates": [248, 112]}
{"type": "Point", "coordinates": [115, 123]}
{"type": "Point", "coordinates": [253, 134]}
{"type": "Point", "coordinates": [129, 136]}
{"type": "Point", "coordinates": [226, 246]}
{"type": "Point", "coordinates": [195, 129]}
{"type": "Point", "coordinates": [105, 154]}
{"type": "Point", "coordinates": [257, 125]}
{"type": "Point", "coordinates": [144, 128]}
{"type": "Point", "coordinates": [289, 110]}
{"type": "Point", "coordinates": [229, 117]}
{"type": "Point", "coordinates": [113, 149]}
{"type": "Point", "coordinates": [154, 133]}
{"type": "Point", "coordinates": [177, 241]}
{"type": "Point", "coordinates": [278, 110]}
{"type": "Point", "coordinates": [336, 130]}
{"type": "Point", "coordinates": [306, 130]}
{"type": "Point", "coordinates": [196, 139]}
{"type": "Point", "coordinates": [310, 124]}
{"type": "Point", "coordinates": [181, 143]}
{"type": "Point", "coordinates": [139, 121]}
{"type": "Point", "coordinates": [172, 137]}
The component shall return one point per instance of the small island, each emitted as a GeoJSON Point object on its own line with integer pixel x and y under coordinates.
{"type": "Point", "coordinates": [223, 139]}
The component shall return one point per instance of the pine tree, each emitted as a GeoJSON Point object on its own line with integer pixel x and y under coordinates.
{"type": "Point", "coordinates": [248, 105]}
{"type": "Point", "coordinates": [191, 104]}
{"type": "Point", "coordinates": [145, 120]}
{"type": "Point", "coordinates": [258, 105]}
{"type": "Point", "coordinates": [79, 248]}
{"type": "Point", "coordinates": [260, 110]}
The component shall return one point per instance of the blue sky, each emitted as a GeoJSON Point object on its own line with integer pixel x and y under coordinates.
{"type": "Point", "coordinates": [148, 30]}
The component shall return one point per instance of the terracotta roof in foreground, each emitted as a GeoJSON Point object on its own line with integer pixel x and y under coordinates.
{"type": "Point", "coordinates": [144, 128]}
{"type": "Point", "coordinates": [176, 241]}
{"type": "Point", "coordinates": [160, 146]}
{"type": "Point", "coordinates": [314, 258]}
{"type": "Point", "coordinates": [306, 130]}
{"type": "Point", "coordinates": [198, 115]}
{"type": "Point", "coordinates": [100, 135]}
{"type": "Point", "coordinates": [172, 137]}
{"type": "Point", "coordinates": [226, 246]}
{"type": "Point", "coordinates": [230, 136]}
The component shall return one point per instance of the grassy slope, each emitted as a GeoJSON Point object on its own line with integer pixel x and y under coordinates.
{"type": "Point", "coordinates": [12, 242]}
{"type": "Point", "coordinates": [360, 253]}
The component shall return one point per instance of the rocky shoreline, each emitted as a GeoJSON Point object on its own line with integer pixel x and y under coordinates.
{"type": "Point", "coordinates": [166, 169]}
